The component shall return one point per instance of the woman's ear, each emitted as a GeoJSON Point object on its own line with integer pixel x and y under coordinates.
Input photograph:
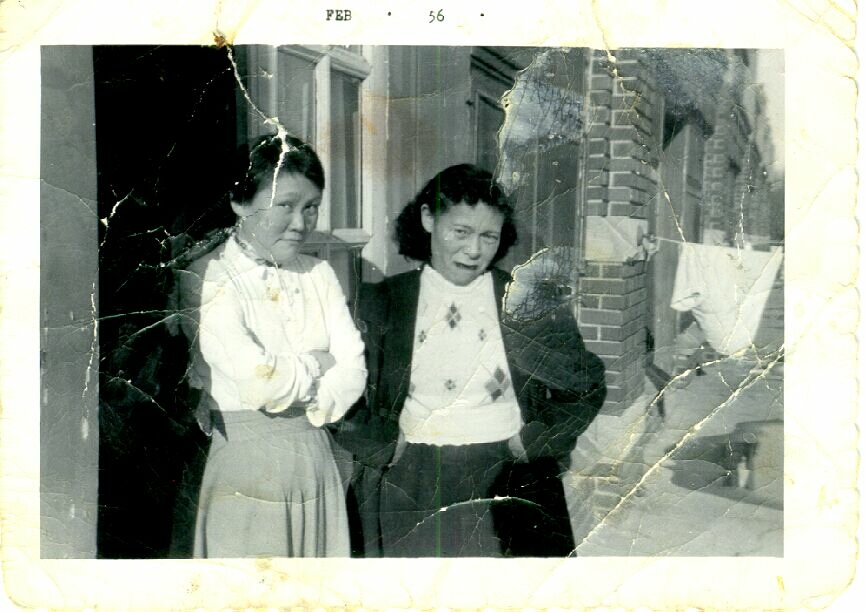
{"type": "Point", "coordinates": [428, 220]}
{"type": "Point", "coordinates": [240, 210]}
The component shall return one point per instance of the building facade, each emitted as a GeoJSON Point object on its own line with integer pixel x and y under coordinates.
{"type": "Point", "coordinates": [613, 159]}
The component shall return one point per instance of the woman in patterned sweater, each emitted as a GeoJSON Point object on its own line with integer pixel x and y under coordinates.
{"type": "Point", "coordinates": [461, 400]}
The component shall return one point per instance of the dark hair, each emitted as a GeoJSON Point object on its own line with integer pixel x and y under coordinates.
{"type": "Point", "coordinates": [459, 184]}
{"type": "Point", "coordinates": [257, 162]}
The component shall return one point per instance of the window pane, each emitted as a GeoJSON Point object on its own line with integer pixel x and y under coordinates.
{"type": "Point", "coordinates": [490, 119]}
{"type": "Point", "coordinates": [347, 266]}
{"type": "Point", "coordinates": [296, 96]}
{"type": "Point", "coordinates": [344, 180]}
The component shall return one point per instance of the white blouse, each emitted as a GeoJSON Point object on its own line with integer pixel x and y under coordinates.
{"type": "Point", "coordinates": [252, 327]}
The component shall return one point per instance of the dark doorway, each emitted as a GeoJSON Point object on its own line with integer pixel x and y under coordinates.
{"type": "Point", "coordinates": [676, 218]}
{"type": "Point", "coordinates": [166, 124]}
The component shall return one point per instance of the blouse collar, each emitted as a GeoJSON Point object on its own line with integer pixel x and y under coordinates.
{"type": "Point", "coordinates": [247, 250]}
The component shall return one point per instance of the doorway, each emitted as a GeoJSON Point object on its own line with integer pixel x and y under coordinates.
{"type": "Point", "coordinates": [676, 219]}
{"type": "Point", "coordinates": [166, 122]}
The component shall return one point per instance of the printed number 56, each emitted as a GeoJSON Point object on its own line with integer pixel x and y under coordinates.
{"type": "Point", "coordinates": [438, 16]}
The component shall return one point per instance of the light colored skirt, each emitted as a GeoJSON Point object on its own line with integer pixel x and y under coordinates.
{"type": "Point", "coordinates": [271, 488]}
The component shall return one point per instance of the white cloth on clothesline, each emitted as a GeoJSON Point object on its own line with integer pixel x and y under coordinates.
{"type": "Point", "coordinates": [726, 289]}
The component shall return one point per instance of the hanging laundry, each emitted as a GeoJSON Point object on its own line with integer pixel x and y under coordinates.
{"type": "Point", "coordinates": [726, 290]}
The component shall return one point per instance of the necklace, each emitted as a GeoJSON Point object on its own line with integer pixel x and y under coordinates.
{"type": "Point", "coordinates": [250, 252]}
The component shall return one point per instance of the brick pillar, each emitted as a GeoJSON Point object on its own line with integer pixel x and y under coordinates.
{"type": "Point", "coordinates": [598, 130]}
{"type": "Point", "coordinates": [612, 317]}
{"type": "Point", "coordinates": [621, 180]}
{"type": "Point", "coordinates": [634, 135]}
{"type": "Point", "coordinates": [623, 126]}
{"type": "Point", "coordinates": [717, 180]}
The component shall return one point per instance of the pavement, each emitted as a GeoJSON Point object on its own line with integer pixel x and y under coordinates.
{"type": "Point", "coordinates": [700, 476]}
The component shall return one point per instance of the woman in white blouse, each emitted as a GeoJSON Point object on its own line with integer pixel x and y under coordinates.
{"type": "Point", "coordinates": [276, 356]}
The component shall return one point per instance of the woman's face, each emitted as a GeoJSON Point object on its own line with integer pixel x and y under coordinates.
{"type": "Point", "coordinates": [463, 240]}
{"type": "Point", "coordinates": [280, 217]}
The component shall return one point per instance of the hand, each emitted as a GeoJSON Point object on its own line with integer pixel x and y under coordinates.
{"type": "Point", "coordinates": [533, 438]}
{"type": "Point", "coordinates": [325, 359]}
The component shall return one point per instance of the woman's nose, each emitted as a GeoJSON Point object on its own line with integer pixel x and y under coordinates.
{"type": "Point", "coordinates": [473, 246]}
{"type": "Point", "coordinates": [296, 221]}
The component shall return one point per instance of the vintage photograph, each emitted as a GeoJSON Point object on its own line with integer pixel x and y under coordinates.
{"type": "Point", "coordinates": [365, 301]}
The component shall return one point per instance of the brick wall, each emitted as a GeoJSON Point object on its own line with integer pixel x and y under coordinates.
{"type": "Point", "coordinates": [718, 178]}
{"type": "Point", "coordinates": [756, 195]}
{"type": "Point", "coordinates": [736, 192]}
{"type": "Point", "coordinates": [612, 317]}
{"type": "Point", "coordinates": [624, 130]}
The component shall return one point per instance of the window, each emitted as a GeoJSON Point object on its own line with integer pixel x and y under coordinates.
{"type": "Point", "coordinates": [316, 93]}
{"type": "Point", "coordinates": [345, 151]}
{"type": "Point", "coordinates": [537, 153]}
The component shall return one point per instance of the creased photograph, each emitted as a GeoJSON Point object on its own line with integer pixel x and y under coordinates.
{"type": "Point", "coordinates": [417, 321]}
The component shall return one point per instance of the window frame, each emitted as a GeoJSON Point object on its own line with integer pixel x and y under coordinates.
{"type": "Point", "coordinates": [368, 65]}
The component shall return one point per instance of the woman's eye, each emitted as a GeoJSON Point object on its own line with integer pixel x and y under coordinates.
{"type": "Point", "coordinates": [459, 232]}
{"type": "Point", "coordinates": [311, 209]}
{"type": "Point", "coordinates": [490, 238]}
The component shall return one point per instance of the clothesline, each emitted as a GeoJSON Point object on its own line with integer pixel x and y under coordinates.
{"type": "Point", "coordinates": [683, 241]}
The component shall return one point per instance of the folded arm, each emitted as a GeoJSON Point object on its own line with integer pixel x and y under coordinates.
{"type": "Point", "coordinates": [214, 322]}
{"type": "Point", "coordinates": [342, 384]}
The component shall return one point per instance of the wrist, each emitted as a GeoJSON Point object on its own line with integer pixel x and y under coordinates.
{"type": "Point", "coordinates": [314, 368]}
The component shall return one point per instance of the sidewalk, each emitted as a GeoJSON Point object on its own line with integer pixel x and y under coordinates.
{"type": "Point", "coordinates": [705, 479]}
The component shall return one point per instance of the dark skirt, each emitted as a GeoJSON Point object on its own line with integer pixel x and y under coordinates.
{"type": "Point", "coordinates": [473, 501]}
{"type": "Point", "coordinates": [436, 503]}
{"type": "Point", "coordinates": [531, 514]}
